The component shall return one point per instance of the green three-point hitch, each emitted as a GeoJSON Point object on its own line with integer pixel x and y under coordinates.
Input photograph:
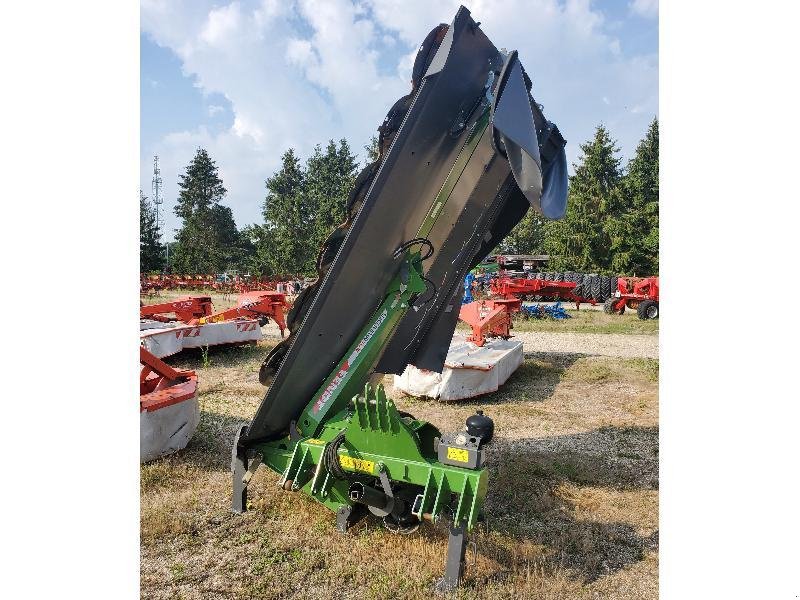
{"type": "Point", "coordinates": [352, 450]}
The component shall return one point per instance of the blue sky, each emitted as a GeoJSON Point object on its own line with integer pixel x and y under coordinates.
{"type": "Point", "coordinates": [248, 79]}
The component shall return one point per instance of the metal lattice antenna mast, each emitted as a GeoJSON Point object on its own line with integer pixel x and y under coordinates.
{"type": "Point", "coordinates": [158, 201]}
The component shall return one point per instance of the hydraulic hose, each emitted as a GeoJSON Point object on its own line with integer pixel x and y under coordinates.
{"type": "Point", "coordinates": [330, 458]}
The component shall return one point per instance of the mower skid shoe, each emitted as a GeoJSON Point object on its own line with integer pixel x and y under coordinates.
{"type": "Point", "coordinates": [454, 565]}
{"type": "Point", "coordinates": [239, 464]}
{"type": "Point", "coordinates": [347, 516]}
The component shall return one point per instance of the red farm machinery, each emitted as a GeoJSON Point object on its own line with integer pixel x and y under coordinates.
{"type": "Point", "coordinates": [519, 288]}
{"type": "Point", "coordinates": [260, 305]}
{"type": "Point", "coordinates": [183, 309]}
{"type": "Point", "coordinates": [168, 409]}
{"type": "Point", "coordinates": [636, 293]}
{"type": "Point", "coordinates": [489, 318]}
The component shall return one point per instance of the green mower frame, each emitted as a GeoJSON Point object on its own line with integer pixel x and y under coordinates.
{"type": "Point", "coordinates": [352, 449]}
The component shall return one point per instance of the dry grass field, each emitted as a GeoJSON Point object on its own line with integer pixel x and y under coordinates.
{"type": "Point", "coordinates": [591, 320]}
{"type": "Point", "coordinates": [572, 507]}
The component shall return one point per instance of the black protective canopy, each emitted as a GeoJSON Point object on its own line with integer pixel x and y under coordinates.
{"type": "Point", "coordinates": [474, 139]}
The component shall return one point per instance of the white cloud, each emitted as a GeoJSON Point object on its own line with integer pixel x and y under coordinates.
{"type": "Point", "coordinates": [288, 86]}
{"type": "Point", "coordinates": [645, 8]}
{"type": "Point", "coordinates": [221, 24]}
{"type": "Point", "coordinates": [301, 53]}
{"type": "Point", "coordinates": [213, 109]}
{"type": "Point", "coordinates": [299, 72]}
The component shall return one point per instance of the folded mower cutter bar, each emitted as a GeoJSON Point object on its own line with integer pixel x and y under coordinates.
{"type": "Point", "coordinates": [462, 158]}
{"type": "Point", "coordinates": [260, 305]}
{"type": "Point", "coordinates": [185, 309]}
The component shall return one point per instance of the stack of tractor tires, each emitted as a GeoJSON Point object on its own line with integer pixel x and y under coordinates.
{"type": "Point", "coordinates": [598, 288]}
{"type": "Point", "coordinates": [590, 286]}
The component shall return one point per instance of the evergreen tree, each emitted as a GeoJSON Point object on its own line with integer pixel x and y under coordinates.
{"type": "Point", "coordinates": [527, 237]}
{"type": "Point", "coordinates": [634, 231]}
{"type": "Point", "coordinates": [256, 250]}
{"type": "Point", "coordinates": [151, 251]}
{"type": "Point", "coordinates": [227, 252]}
{"type": "Point", "coordinates": [207, 241]}
{"type": "Point", "coordinates": [371, 150]}
{"type": "Point", "coordinates": [329, 178]}
{"type": "Point", "coordinates": [303, 205]}
{"type": "Point", "coordinates": [288, 223]}
{"type": "Point", "coordinates": [580, 241]}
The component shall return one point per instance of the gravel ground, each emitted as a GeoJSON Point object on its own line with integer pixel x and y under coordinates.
{"type": "Point", "coordinates": [590, 344]}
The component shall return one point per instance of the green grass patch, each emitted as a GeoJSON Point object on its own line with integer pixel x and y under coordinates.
{"type": "Point", "coordinates": [648, 367]}
{"type": "Point", "coordinates": [590, 321]}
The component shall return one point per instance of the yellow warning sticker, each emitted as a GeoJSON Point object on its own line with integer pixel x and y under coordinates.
{"type": "Point", "coordinates": [315, 441]}
{"type": "Point", "coordinates": [458, 454]}
{"type": "Point", "coordinates": [356, 464]}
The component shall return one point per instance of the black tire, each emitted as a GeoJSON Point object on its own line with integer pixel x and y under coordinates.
{"type": "Point", "coordinates": [648, 309]}
{"type": "Point", "coordinates": [596, 292]}
{"type": "Point", "coordinates": [608, 306]}
{"type": "Point", "coordinates": [605, 287]}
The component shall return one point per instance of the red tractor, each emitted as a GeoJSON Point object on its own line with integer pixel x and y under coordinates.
{"type": "Point", "coordinates": [636, 293]}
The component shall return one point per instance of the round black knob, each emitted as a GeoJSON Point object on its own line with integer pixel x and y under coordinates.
{"type": "Point", "coordinates": [479, 425]}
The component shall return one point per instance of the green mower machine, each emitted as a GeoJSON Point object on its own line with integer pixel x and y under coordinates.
{"type": "Point", "coordinates": [462, 158]}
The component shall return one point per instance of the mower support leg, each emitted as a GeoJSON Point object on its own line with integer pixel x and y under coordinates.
{"type": "Point", "coordinates": [238, 471]}
{"type": "Point", "coordinates": [454, 566]}
{"type": "Point", "coordinates": [347, 516]}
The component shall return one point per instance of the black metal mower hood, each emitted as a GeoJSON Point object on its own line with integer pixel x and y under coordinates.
{"type": "Point", "coordinates": [462, 159]}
